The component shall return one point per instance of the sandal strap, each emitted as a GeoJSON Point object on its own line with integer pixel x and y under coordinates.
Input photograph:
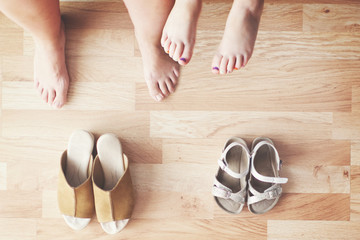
{"type": "Point", "coordinates": [272, 192]}
{"type": "Point", "coordinates": [224, 165]}
{"type": "Point", "coordinates": [221, 191]}
{"type": "Point", "coordinates": [257, 175]}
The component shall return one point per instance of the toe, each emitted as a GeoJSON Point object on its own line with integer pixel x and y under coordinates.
{"type": "Point", "coordinates": [164, 37]}
{"type": "Point", "coordinates": [61, 97]}
{"type": "Point", "coordinates": [51, 96]}
{"type": "Point", "coordinates": [246, 58]}
{"type": "Point", "coordinates": [223, 65]}
{"type": "Point", "coordinates": [36, 83]}
{"type": "Point", "coordinates": [186, 54]}
{"type": "Point", "coordinates": [178, 52]}
{"type": "Point", "coordinates": [172, 49]}
{"type": "Point", "coordinates": [176, 72]}
{"type": "Point", "coordinates": [174, 78]}
{"type": "Point", "coordinates": [170, 86]}
{"type": "Point", "coordinates": [44, 95]}
{"type": "Point", "coordinates": [167, 45]}
{"type": "Point", "coordinates": [216, 63]}
{"type": "Point", "coordinates": [163, 88]}
{"type": "Point", "coordinates": [154, 90]}
{"type": "Point", "coordinates": [239, 62]}
{"type": "Point", "coordinates": [231, 64]}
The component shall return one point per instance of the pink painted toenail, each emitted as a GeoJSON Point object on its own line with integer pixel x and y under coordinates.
{"type": "Point", "coordinates": [216, 68]}
{"type": "Point", "coordinates": [183, 59]}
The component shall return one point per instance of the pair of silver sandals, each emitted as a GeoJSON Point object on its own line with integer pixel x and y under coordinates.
{"type": "Point", "coordinates": [248, 176]}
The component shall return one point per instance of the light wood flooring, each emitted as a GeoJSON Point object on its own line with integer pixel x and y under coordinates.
{"type": "Point", "coordinates": [301, 88]}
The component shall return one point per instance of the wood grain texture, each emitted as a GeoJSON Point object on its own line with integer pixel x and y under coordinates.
{"type": "Point", "coordinates": [355, 207]}
{"type": "Point", "coordinates": [301, 88]}
{"type": "Point", "coordinates": [331, 18]}
{"type": "Point", "coordinates": [312, 230]}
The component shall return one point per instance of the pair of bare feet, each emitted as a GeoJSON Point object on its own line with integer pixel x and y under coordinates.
{"type": "Point", "coordinates": [161, 60]}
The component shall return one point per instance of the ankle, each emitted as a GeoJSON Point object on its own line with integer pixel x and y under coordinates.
{"type": "Point", "coordinates": [52, 40]}
{"type": "Point", "coordinates": [254, 6]}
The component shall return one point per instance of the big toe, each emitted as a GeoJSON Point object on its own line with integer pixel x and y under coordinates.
{"type": "Point", "coordinates": [216, 63]}
{"type": "Point", "coordinates": [186, 54]}
{"type": "Point", "coordinates": [155, 91]}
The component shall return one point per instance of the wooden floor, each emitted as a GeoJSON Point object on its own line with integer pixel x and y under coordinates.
{"type": "Point", "coordinates": [301, 88]}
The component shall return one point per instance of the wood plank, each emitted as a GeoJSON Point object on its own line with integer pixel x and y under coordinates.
{"type": "Point", "coordinates": [294, 152]}
{"type": "Point", "coordinates": [3, 176]}
{"type": "Point", "coordinates": [11, 40]}
{"type": "Point", "coordinates": [317, 179]}
{"type": "Point", "coordinates": [81, 96]}
{"type": "Point", "coordinates": [355, 153]}
{"type": "Point", "coordinates": [177, 124]}
{"type": "Point", "coordinates": [50, 207]}
{"type": "Point", "coordinates": [95, 15]}
{"type": "Point", "coordinates": [5, 22]}
{"type": "Point", "coordinates": [331, 18]}
{"type": "Point", "coordinates": [314, 230]}
{"type": "Point", "coordinates": [143, 149]}
{"type": "Point", "coordinates": [43, 176]}
{"type": "Point", "coordinates": [286, 85]}
{"type": "Point", "coordinates": [346, 126]}
{"type": "Point", "coordinates": [172, 177]}
{"type": "Point", "coordinates": [356, 95]}
{"type": "Point", "coordinates": [160, 229]}
{"type": "Point", "coordinates": [81, 69]}
{"type": "Point", "coordinates": [92, 42]}
{"type": "Point", "coordinates": [355, 179]}
{"type": "Point", "coordinates": [60, 124]}
{"type": "Point", "coordinates": [173, 206]}
{"type": "Point", "coordinates": [18, 228]}
{"type": "Point", "coordinates": [300, 206]}
{"type": "Point", "coordinates": [281, 45]}
{"type": "Point", "coordinates": [275, 17]}
{"type": "Point", "coordinates": [20, 204]}
{"type": "Point", "coordinates": [355, 207]}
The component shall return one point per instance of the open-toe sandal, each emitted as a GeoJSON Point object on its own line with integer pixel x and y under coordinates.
{"type": "Point", "coordinates": [75, 193]}
{"type": "Point", "coordinates": [229, 187]}
{"type": "Point", "coordinates": [114, 200]}
{"type": "Point", "coordinates": [264, 182]}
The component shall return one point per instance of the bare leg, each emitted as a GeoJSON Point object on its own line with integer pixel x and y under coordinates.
{"type": "Point", "coordinates": [178, 38]}
{"type": "Point", "coordinates": [42, 19]}
{"type": "Point", "coordinates": [149, 17]}
{"type": "Point", "coordinates": [239, 37]}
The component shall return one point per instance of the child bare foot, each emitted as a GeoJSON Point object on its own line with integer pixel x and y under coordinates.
{"type": "Point", "coordinates": [179, 33]}
{"type": "Point", "coordinates": [50, 74]}
{"type": "Point", "coordinates": [161, 73]}
{"type": "Point", "coordinates": [239, 37]}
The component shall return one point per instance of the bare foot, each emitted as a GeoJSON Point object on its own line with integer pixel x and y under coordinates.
{"type": "Point", "coordinates": [239, 37]}
{"type": "Point", "coordinates": [50, 74]}
{"type": "Point", "coordinates": [179, 33]}
{"type": "Point", "coordinates": [161, 73]}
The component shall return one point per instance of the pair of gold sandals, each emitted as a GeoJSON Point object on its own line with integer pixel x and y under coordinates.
{"type": "Point", "coordinates": [248, 176]}
{"type": "Point", "coordinates": [102, 185]}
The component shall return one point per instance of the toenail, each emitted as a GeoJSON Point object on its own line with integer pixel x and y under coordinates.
{"type": "Point", "coordinates": [216, 68]}
{"type": "Point", "coordinates": [183, 59]}
{"type": "Point", "coordinates": [159, 97]}
{"type": "Point", "coordinates": [236, 68]}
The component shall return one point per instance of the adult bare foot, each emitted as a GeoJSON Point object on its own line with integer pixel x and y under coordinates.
{"type": "Point", "coordinates": [161, 73]}
{"type": "Point", "coordinates": [239, 37]}
{"type": "Point", "coordinates": [179, 33]}
{"type": "Point", "coordinates": [50, 74]}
